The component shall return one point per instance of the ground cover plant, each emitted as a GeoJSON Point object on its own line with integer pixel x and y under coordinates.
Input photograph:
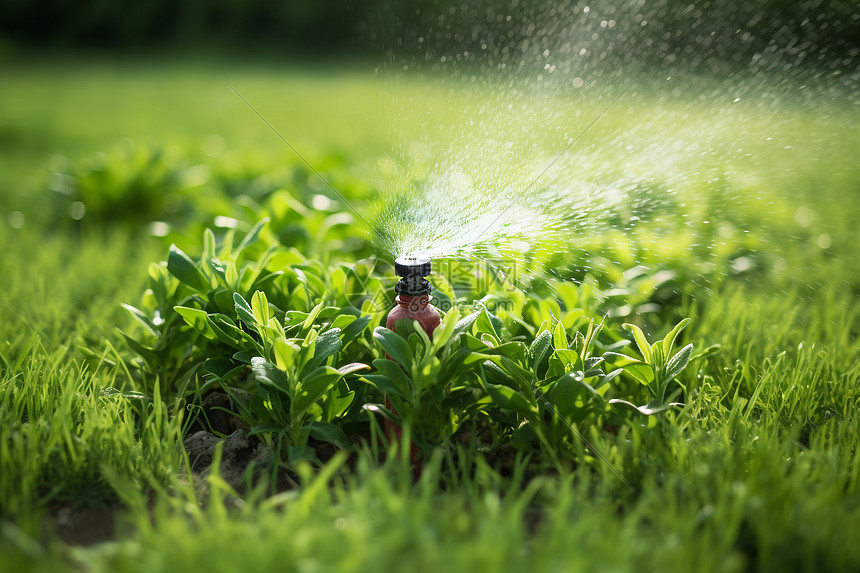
{"type": "Point", "coordinates": [679, 394]}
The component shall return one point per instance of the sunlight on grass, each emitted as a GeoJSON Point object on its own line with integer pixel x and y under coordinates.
{"type": "Point", "coordinates": [757, 468]}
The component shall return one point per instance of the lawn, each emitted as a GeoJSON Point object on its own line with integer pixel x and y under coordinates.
{"type": "Point", "coordinates": [739, 215]}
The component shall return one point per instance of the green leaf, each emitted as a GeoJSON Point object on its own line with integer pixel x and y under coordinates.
{"type": "Point", "coordinates": [260, 308]}
{"type": "Point", "coordinates": [313, 387]}
{"type": "Point", "coordinates": [709, 351]}
{"type": "Point", "coordinates": [208, 244]}
{"type": "Point", "coordinates": [223, 301]}
{"type": "Point", "coordinates": [330, 434]}
{"type": "Point", "coordinates": [649, 409]}
{"type": "Point", "coordinates": [641, 341]}
{"type": "Point", "coordinates": [464, 324]}
{"type": "Point", "coordinates": [570, 358]}
{"type": "Point", "coordinates": [669, 340]}
{"type": "Point", "coordinates": [475, 356]}
{"type": "Point", "coordinates": [475, 344]}
{"type": "Point", "coordinates": [443, 332]}
{"type": "Point", "coordinates": [591, 336]}
{"type": "Point", "coordinates": [309, 344]}
{"type": "Point", "coordinates": [384, 384]}
{"type": "Point", "coordinates": [218, 267]}
{"type": "Point", "coordinates": [678, 362]}
{"type": "Point", "coordinates": [294, 318]}
{"type": "Point", "coordinates": [244, 311]}
{"type": "Point", "coordinates": [245, 356]}
{"type": "Point", "coordinates": [227, 332]}
{"type": "Point", "coordinates": [337, 402]}
{"type": "Point", "coordinates": [572, 398]}
{"type": "Point", "coordinates": [395, 346]}
{"type": "Point", "coordinates": [183, 268]}
{"type": "Point", "coordinates": [492, 373]}
{"type": "Point", "coordinates": [484, 324]}
{"type": "Point", "coordinates": [618, 359]}
{"type": "Point", "coordinates": [312, 316]}
{"type": "Point", "coordinates": [391, 378]}
{"type": "Point", "coordinates": [140, 317]}
{"type": "Point", "coordinates": [227, 244]}
{"type": "Point", "coordinates": [642, 372]}
{"type": "Point", "coordinates": [265, 429]}
{"type": "Point", "coordinates": [312, 278]}
{"type": "Point", "coordinates": [509, 399]}
{"type": "Point", "coordinates": [352, 367]}
{"type": "Point", "coordinates": [263, 281]}
{"type": "Point", "coordinates": [522, 376]}
{"type": "Point", "coordinates": [355, 328]}
{"type": "Point", "coordinates": [252, 235]}
{"type": "Point", "coordinates": [382, 411]}
{"type": "Point", "coordinates": [524, 437]}
{"type": "Point", "coordinates": [148, 354]}
{"type": "Point", "coordinates": [559, 337]}
{"type": "Point", "coordinates": [198, 320]}
{"type": "Point", "coordinates": [327, 344]}
{"type": "Point", "coordinates": [540, 351]}
{"type": "Point", "coordinates": [219, 366]}
{"type": "Point", "coordinates": [285, 353]}
{"type": "Point", "coordinates": [612, 375]}
{"type": "Point", "coordinates": [569, 294]}
{"type": "Point", "coordinates": [267, 373]}
{"type": "Point", "coordinates": [413, 332]}
{"type": "Point", "coordinates": [343, 320]}
{"type": "Point", "coordinates": [489, 323]}
{"type": "Point", "coordinates": [516, 351]}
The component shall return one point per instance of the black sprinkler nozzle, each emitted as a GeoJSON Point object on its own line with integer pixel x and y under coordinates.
{"type": "Point", "coordinates": [412, 271]}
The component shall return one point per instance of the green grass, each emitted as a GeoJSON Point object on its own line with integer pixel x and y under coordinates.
{"type": "Point", "coordinates": [759, 469]}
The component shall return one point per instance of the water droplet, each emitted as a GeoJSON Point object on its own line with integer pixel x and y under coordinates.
{"type": "Point", "coordinates": [322, 203]}
{"type": "Point", "coordinates": [159, 229]}
{"type": "Point", "coordinates": [804, 216]}
{"type": "Point", "coordinates": [77, 210]}
{"type": "Point", "coordinates": [16, 219]}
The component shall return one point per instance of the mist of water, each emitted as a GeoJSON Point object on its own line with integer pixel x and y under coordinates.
{"type": "Point", "coordinates": [484, 162]}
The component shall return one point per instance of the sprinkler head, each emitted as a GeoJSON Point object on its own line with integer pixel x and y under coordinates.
{"type": "Point", "coordinates": [412, 271]}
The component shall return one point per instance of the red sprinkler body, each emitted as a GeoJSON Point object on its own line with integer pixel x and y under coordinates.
{"type": "Point", "coordinates": [413, 295]}
{"type": "Point", "coordinates": [413, 301]}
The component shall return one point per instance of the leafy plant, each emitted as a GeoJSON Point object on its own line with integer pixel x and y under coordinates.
{"type": "Point", "coordinates": [297, 392]}
{"type": "Point", "coordinates": [189, 320]}
{"type": "Point", "coordinates": [431, 385]}
{"type": "Point", "coordinates": [549, 386]}
{"type": "Point", "coordinates": [187, 314]}
{"type": "Point", "coordinates": [286, 356]}
{"type": "Point", "coordinates": [546, 390]}
{"type": "Point", "coordinates": [657, 369]}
